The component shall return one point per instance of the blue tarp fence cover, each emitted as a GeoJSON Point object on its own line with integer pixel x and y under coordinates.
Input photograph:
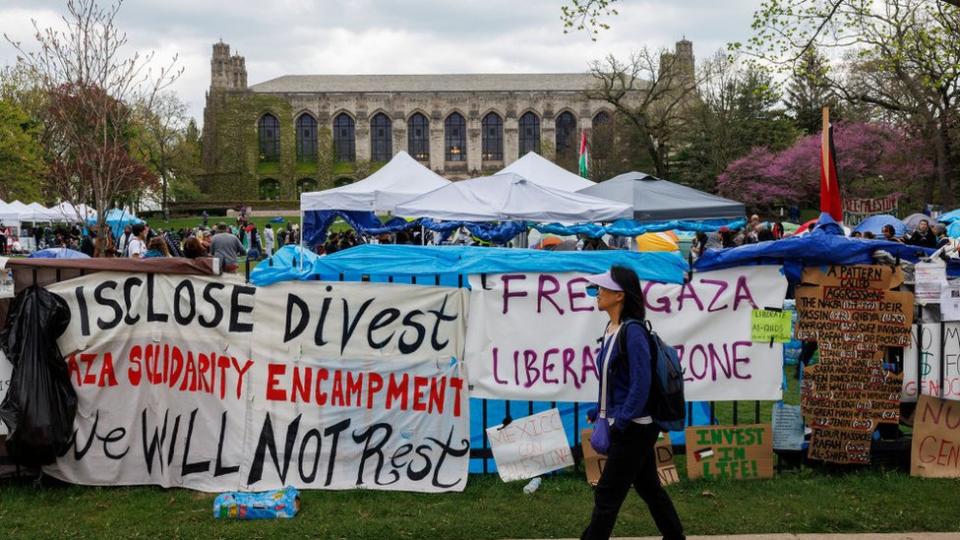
{"type": "Point", "coordinates": [424, 263]}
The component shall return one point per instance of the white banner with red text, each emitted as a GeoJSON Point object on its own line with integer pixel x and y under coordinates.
{"type": "Point", "coordinates": [210, 385]}
{"type": "Point", "coordinates": [536, 336]}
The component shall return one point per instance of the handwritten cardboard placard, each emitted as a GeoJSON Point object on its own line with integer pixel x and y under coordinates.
{"type": "Point", "coordinates": [852, 316]}
{"type": "Point", "coordinates": [530, 446]}
{"type": "Point", "coordinates": [594, 463]}
{"type": "Point", "coordinates": [730, 452]}
{"type": "Point", "coordinates": [921, 362]}
{"type": "Point", "coordinates": [864, 276]}
{"type": "Point", "coordinates": [769, 325]}
{"type": "Point", "coordinates": [936, 439]}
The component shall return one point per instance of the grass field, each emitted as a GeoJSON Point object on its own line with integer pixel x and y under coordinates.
{"type": "Point", "coordinates": [807, 501]}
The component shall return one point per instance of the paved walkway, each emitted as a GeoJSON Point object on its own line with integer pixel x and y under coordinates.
{"type": "Point", "coordinates": [865, 536]}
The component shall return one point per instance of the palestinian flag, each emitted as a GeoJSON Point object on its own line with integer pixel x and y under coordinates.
{"type": "Point", "coordinates": [830, 200]}
{"type": "Point", "coordinates": [584, 156]}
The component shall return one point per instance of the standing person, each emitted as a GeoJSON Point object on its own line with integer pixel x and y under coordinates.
{"type": "Point", "coordinates": [227, 248]}
{"type": "Point", "coordinates": [123, 243]}
{"type": "Point", "coordinates": [254, 249]}
{"type": "Point", "coordinates": [206, 217]}
{"type": "Point", "coordinates": [137, 245]}
{"type": "Point", "coordinates": [627, 380]}
{"type": "Point", "coordinates": [157, 247]}
{"type": "Point", "coordinates": [3, 240]}
{"type": "Point", "coordinates": [268, 239]}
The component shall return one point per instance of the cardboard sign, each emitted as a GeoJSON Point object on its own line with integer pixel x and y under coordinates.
{"type": "Point", "coordinates": [864, 276]}
{"type": "Point", "coordinates": [730, 452]}
{"type": "Point", "coordinates": [936, 439]}
{"type": "Point", "coordinates": [197, 382]}
{"type": "Point", "coordinates": [530, 446]}
{"type": "Point", "coordinates": [533, 336]}
{"type": "Point", "coordinates": [594, 463]}
{"type": "Point", "coordinates": [852, 317]}
{"type": "Point", "coordinates": [771, 326]}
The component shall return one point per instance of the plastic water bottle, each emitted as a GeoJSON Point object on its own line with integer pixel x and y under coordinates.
{"type": "Point", "coordinates": [532, 485]}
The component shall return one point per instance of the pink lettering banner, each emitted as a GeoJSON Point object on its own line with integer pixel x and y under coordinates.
{"type": "Point", "coordinates": [536, 336]}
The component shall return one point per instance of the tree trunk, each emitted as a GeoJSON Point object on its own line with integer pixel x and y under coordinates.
{"type": "Point", "coordinates": [941, 142]}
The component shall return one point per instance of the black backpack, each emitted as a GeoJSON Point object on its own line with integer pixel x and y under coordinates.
{"type": "Point", "coordinates": [666, 403]}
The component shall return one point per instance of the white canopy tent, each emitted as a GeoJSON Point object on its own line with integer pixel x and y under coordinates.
{"type": "Point", "coordinates": [544, 172]}
{"type": "Point", "coordinates": [40, 214]}
{"type": "Point", "coordinates": [74, 214]}
{"type": "Point", "coordinates": [510, 197]}
{"type": "Point", "coordinates": [12, 213]}
{"type": "Point", "coordinates": [401, 179]}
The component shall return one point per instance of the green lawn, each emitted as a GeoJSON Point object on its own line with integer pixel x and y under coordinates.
{"type": "Point", "coordinates": [808, 501]}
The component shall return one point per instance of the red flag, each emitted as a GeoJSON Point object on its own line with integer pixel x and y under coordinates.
{"type": "Point", "coordinates": [830, 200]}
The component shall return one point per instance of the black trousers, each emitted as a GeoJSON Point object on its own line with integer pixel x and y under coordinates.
{"type": "Point", "coordinates": [631, 462]}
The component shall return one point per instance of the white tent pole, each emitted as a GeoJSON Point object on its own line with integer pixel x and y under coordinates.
{"type": "Point", "coordinates": [300, 261]}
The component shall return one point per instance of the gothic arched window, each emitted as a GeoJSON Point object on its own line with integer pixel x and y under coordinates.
{"type": "Point", "coordinates": [381, 138]}
{"type": "Point", "coordinates": [269, 190]}
{"type": "Point", "coordinates": [344, 141]}
{"type": "Point", "coordinates": [268, 129]}
{"type": "Point", "coordinates": [529, 133]}
{"type": "Point", "coordinates": [455, 137]}
{"type": "Point", "coordinates": [566, 130]}
{"type": "Point", "coordinates": [306, 185]}
{"type": "Point", "coordinates": [418, 137]}
{"type": "Point", "coordinates": [492, 126]}
{"type": "Point", "coordinates": [306, 138]}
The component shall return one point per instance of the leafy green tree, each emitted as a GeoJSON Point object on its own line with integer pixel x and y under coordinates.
{"type": "Point", "coordinates": [21, 154]}
{"type": "Point", "coordinates": [809, 91]}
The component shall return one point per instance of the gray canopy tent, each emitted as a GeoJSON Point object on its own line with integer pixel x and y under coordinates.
{"type": "Point", "coordinates": [654, 199]}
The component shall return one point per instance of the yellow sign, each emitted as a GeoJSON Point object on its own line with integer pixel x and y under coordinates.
{"type": "Point", "coordinates": [767, 324]}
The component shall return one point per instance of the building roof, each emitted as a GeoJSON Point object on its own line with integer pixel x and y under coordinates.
{"type": "Point", "coordinates": [477, 82]}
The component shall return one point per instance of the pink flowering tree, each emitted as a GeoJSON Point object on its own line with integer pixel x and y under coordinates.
{"type": "Point", "coordinates": [872, 159]}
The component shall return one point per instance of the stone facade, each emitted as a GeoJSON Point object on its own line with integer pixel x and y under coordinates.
{"type": "Point", "coordinates": [237, 166]}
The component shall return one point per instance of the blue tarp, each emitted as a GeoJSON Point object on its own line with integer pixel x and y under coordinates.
{"type": "Point", "coordinates": [953, 230]}
{"type": "Point", "coordinates": [316, 223]}
{"type": "Point", "coordinates": [950, 217]}
{"type": "Point", "coordinates": [425, 262]}
{"type": "Point", "coordinates": [58, 253]}
{"type": "Point", "coordinates": [498, 233]}
{"type": "Point", "coordinates": [826, 245]}
{"type": "Point", "coordinates": [628, 227]}
{"type": "Point", "coordinates": [876, 223]}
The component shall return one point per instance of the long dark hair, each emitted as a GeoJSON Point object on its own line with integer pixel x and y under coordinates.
{"type": "Point", "coordinates": [633, 305]}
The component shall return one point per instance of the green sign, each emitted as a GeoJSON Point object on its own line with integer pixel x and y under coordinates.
{"type": "Point", "coordinates": [768, 324]}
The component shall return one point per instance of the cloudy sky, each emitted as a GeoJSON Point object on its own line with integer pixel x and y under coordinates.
{"type": "Point", "coordinates": [280, 37]}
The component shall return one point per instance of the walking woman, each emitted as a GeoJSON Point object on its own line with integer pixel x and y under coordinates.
{"type": "Point", "coordinates": [625, 381]}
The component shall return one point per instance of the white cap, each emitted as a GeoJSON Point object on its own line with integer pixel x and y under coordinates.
{"type": "Point", "coordinates": [605, 280]}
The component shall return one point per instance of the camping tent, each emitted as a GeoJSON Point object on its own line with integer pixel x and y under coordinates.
{"type": "Point", "coordinates": [401, 179]}
{"type": "Point", "coordinates": [654, 199]}
{"type": "Point", "coordinates": [510, 197]}
{"type": "Point", "coordinates": [544, 172]}
{"type": "Point", "coordinates": [876, 223]}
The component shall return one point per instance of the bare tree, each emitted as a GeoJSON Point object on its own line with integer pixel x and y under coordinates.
{"type": "Point", "coordinates": [162, 130]}
{"type": "Point", "coordinates": [93, 93]}
{"type": "Point", "coordinates": [653, 92]}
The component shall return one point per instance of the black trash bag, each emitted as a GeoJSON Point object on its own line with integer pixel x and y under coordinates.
{"type": "Point", "coordinates": [40, 404]}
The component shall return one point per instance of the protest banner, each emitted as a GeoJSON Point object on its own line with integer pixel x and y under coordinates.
{"type": "Point", "coordinates": [927, 361]}
{"type": "Point", "coordinates": [593, 462]}
{"type": "Point", "coordinates": [856, 210]}
{"type": "Point", "coordinates": [771, 326]}
{"type": "Point", "coordinates": [935, 451]}
{"type": "Point", "coordinates": [530, 446]}
{"type": "Point", "coordinates": [535, 336]}
{"type": "Point", "coordinates": [729, 452]}
{"type": "Point", "coordinates": [199, 383]}
{"type": "Point", "coordinates": [852, 316]}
